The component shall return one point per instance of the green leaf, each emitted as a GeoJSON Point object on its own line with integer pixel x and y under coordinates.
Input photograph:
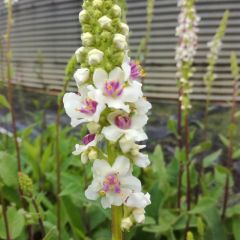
{"type": "Point", "coordinates": [236, 228]}
{"type": "Point", "coordinates": [8, 169]}
{"type": "Point", "coordinates": [236, 154]}
{"type": "Point", "coordinates": [203, 205]}
{"type": "Point", "coordinates": [232, 211]}
{"type": "Point", "coordinates": [172, 126]}
{"type": "Point", "coordinates": [210, 159]}
{"type": "Point", "coordinates": [52, 234]}
{"type": "Point", "coordinates": [4, 102]}
{"type": "Point", "coordinates": [16, 223]}
{"type": "Point", "coordinates": [224, 140]}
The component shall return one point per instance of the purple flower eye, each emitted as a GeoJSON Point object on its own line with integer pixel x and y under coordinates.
{"type": "Point", "coordinates": [90, 107]}
{"type": "Point", "coordinates": [88, 138]}
{"type": "Point", "coordinates": [111, 183]}
{"type": "Point", "coordinates": [123, 122]}
{"type": "Point", "coordinates": [136, 70]}
{"type": "Point", "coordinates": [113, 88]}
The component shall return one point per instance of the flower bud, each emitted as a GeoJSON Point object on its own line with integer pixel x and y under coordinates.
{"type": "Point", "coordinates": [92, 155]}
{"type": "Point", "coordinates": [97, 3]}
{"type": "Point", "coordinates": [25, 183]}
{"type": "Point", "coordinates": [80, 54]}
{"type": "Point", "coordinates": [139, 215]}
{"type": "Point", "coordinates": [95, 56]}
{"type": "Point", "coordinates": [126, 223]}
{"type": "Point", "coordinates": [116, 11]}
{"type": "Point", "coordinates": [83, 17]}
{"type": "Point", "coordinates": [125, 29]}
{"type": "Point", "coordinates": [105, 35]}
{"type": "Point", "coordinates": [105, 22]}
{"type": "Point", "coordinates": [120, 41]}
{"type": "Point", "coordinates": [81, 75]}
{"type": "Point", "coordinates": [93, 127]}
{"type": "Point", "coordinates": [84, 157]}
{"type": "Point", "coordinates": [87, 39]}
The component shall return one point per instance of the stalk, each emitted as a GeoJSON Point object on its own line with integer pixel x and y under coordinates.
{"type": "Point", "coordinates": [116, 223]}
{"type": "Point", "coordinates": [231, 132]}
{"type": "Point", "coordinates": [5, 217]}
{"type": "Point", "coordinates": [180, 145]}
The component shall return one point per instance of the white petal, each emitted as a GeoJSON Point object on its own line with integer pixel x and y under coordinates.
{"type": "Point", "coordinates": [143, 106]}
{"type": "Point", "coordinates": [127, 70]}
{"type": "Point", "coordinates": [79, 149]}
{"type": "Point", "coordinates": [112, 133]}
{"type": "Point", "coordinates": [121, 165]}
{"type": "Point", "coordinates": [117, 74]}
{"type": "Point", "coordinates": [142, 160]}
{"type": "Point", "coordinates": [105, 203]}
{"type": "Point", "coordinates": [72, 103]}
{"type": "Point", "coordinates": [114, 198]}
{"type": "Point", "coordinates": [139, 121]}
{"type": "Point", "coordinates": [131, 182]}
{"type": "Point", "coordinates": [92, 191]}
{"type": "Point", "coordinates": [139, 215]}
{"type": "Point", "coordinates": [76, 122]}
{"type": "Point", "coordinates": [126, 144]}
{"type": "Point", "coordinates": [132, 92]}
{"type": "Point", "coordinates": [101, 168]}
{"type": "Point", "coordinates": [117, 103]}
{"type": "Point", "coordinates": [138, 200]}
{"type": "Point", "coordinates": [100, 77]}
{"type": "Point", "coordinates": [137, 135]}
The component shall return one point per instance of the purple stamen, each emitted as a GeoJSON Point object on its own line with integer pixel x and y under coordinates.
{"type": "Point", "coordinates": [111, 183]}
{"type": "Point", "coordinates": [123, 122]}
{"type": "Point", "coordinates": [88, 138]}
{"type": "Point", "coordinates": [90, 107]}
{"type": "Point", "coordinates": [113, 88]}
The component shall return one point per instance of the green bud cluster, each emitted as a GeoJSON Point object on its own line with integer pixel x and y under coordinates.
{"type": "Point", "coordinates": [26, 184]}
{"type": "Point", "coordinates": [104, 35]}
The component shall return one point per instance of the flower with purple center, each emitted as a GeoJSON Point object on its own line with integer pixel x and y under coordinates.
{"type": "Point", "coordinates": [114, 184]}
{"type": "Point", "coordinates": [88, 138]}
{"type": "Point", "coordinates": [123, 122]}
{"type": "Point", "coordinates": [90, 107]}
{"type": "Point", "coordinates": [81, 108]}
{"type": "Point", "coordinates": [136, 70]}
{"type": "Point", "coordinates": [113, 88]}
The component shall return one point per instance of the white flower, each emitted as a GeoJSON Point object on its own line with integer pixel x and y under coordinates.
{"type": "Point", "coordinates": [89, 141]}
{"type": "Point", "coordinates": [112, 183]}
{"type": "Point", "coordinates": [120, 41]}
{"type": "Point", "coordinates": [81, 76]}
{"type": "Point", "coordinates": [142, 106]}
{"type": "Point", "coordinates": [81, 108]}
{"type": "Point", "coordinates": [124, 125]}
{"type": "Point", "coordinates": [87, 39]}
{"type": "Point", "coordinates": [79, 54]}
{"type": "Point", "coordinates": [113, 90]}
{"type": "Point", "coordinates": [95, 56]}
{"type": "Point", "coordinates": [116, 10]}
{"type": "Point", "coordinates": [138, 200]}
{"type": "Point", "coordinates": [139, 215]}
{"type": "Point", "coordinates": [128, 145]}
{"type": "Point", "coordinates": [125, 29]}
{"type": "Point", "coordinates": [97, 3]}
{"type": "Point", "coordinates": [105, 22]}
{"type": "Point", "coordinates": [126, 223]}
{"type": "Point", "coordinates": [83, 16]}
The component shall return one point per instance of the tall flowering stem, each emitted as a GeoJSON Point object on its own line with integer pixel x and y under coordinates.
{"type": "Point", "coordinates": [185, 52]}
{"type": "Point", "coordinates": [232, 130]}
{"type": "Point", "coordinates": [215, 46]}
{"type": "Point", "coordinates": [110, 102]}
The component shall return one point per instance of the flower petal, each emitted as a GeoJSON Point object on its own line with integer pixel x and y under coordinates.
{"type": "Point", "coordinates": [105, 203]}
{"type": "Point", "coordinates": [72, 102]}
{"type": "Point", "coordinates": [121, 165]}
{"type": "Point", "coordinates": [92, 191]}
{"type": "Point", "coordinates": [112, 133]}
{"type": "Point", "coordinates": [100, 76]}
{"type": "Point", "coordinates": [142, 160]}
{"type": "Point", "coordinates": [131, 182]}
{"type": "Point", "coordinates": [117, 74]}
{"type": "Point", "coordinates": [100, 168]}
{"type": "Point", "coordinates": [138, 200]}
{"type": "Point", "coordinates": [132, 92]}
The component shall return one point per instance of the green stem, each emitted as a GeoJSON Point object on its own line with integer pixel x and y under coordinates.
{"type": "Point", "coordinates": [116, 223]}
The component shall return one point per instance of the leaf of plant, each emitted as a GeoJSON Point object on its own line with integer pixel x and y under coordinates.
{"type": "Point", "coordinates": [52, 234]}
{"type": "Point", "coordinates": [16, 223]}
{"type": "Point", "coordinates": [236, 228]}
{"type": "Point", "coordinates": [236, 154]}
{"type": "Point", "coordinates": [210, 159]}
{"type": "Point", "coordinates": [224, 140]}
{"type": "Point", "coordinates": [4, 102]}
{"type": "Point", "coordinates": [8, 169]}
{"type": "Point", "coordinates": [203, 205]}
{"type": "Point", "coordinates": [232, 211]}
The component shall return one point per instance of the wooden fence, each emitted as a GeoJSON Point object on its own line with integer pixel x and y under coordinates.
{"type": "Point", "coordinates": [47, 32]}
